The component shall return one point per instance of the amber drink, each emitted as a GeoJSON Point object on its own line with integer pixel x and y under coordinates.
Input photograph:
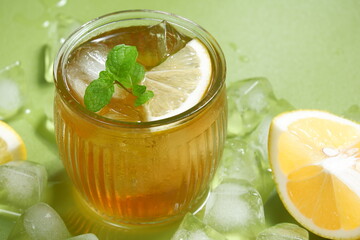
{"type": "Point", "coordinates": [126, 167]}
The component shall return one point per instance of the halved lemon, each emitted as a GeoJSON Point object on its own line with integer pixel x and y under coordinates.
{"type": "Point", "coordinates": [178, 83]}
{"type": "Point", "coordinates": [12, 146]}
{"type": "Point", "coordinates": [315, 158]}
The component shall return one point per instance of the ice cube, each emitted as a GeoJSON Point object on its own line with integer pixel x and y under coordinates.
{"type": "Point", "coordinates": [88, 236]}
{"type": "Point", "coordinates": [85, 65]}
{"type": "Point", "coordinates": [241, 160]}
{"type": "Point", "coordinates": [59, 29]}
{"type": "Point", "coordinates": [162, 40]}
{"type": "Point", "coordinates": [235, 209]}
{"type": "Point", "coordinates": [261, 132]}
{"type": "Point", "coordinates": [235, 162]}
{"type": "Point", "coordinates": [40, 222]}
{"type": "Point", "coordinates": [11, 97]}
{"type": "Point", "coordinates": [248, 100]}
{"type": "Point", "coordinates": [191, 228]}
{"type": "Point", "coordinates": [165, 39]}
{"type": "Point", "coordinates": [22, 184]}
{"type": "Point", "coordinates": [353, 113]}
{"type": "Point", "coordinates": [284, 231]}
{"type": "Point", "coordinates": [252, 106]}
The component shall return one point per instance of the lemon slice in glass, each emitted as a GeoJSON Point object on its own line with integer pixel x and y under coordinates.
{"type": "Point", "coordinates": [12, 146]}
{"type": "Point", "coordinates": [178, 83]}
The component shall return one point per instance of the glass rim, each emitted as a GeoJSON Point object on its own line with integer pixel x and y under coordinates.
{"type": "Point", "coordinates": [218, 71]}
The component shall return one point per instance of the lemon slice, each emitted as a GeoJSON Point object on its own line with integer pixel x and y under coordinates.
{"type": "Point", "coordinates": [12, 146]}
{"type": "Point", "coordinates": [315, 157]}
{"type": "Point", "coordinates": [178, 83]}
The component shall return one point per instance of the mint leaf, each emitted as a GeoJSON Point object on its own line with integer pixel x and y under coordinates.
{"type": "Point", "coordinates": [120, 60]}
{"type": "Point", "coordinates": [122, 70]}
{"type": "Point", "coordinates": [121, 63]}
{"type": "Point", "coordinates": [106, 76]}
{"type": "Point", "coordinates": [124, 81]}
{"type": "Point", "coordinates": [143, 98]}
{"type": "Point", "coordinates": [138, 73]}
{"type": "Point", "coordinates": [99, 93]}
{"type": "Point", "coordinates": [138, 90]}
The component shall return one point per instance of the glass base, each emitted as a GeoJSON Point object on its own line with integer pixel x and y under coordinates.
{"type": "Point", "coordinates": [80, 218]}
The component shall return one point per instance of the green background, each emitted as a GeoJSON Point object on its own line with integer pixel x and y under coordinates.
{"type": "Point", "coordinates": [309, 50]}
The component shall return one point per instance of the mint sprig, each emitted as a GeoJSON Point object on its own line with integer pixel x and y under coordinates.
{"type": "Point", "coordinates": [122, 70]}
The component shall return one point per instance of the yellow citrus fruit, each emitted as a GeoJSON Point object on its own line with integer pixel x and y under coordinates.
{"type": "Point", "coordinates": [12, 146]}
{"type": "Point", "coordinates": [179, 82]}
{"type": "Point", "coordinates": [315, 158]}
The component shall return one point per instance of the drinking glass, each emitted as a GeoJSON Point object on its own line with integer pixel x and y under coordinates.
{"type": "Point", "coordinates": [141, 172]}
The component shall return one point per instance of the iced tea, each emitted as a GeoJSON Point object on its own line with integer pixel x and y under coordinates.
{"type": "Point", "coordinates": [128, 169]}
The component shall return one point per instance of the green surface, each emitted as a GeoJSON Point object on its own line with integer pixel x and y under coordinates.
{"type": "Point", "coordinates": [309, 50]}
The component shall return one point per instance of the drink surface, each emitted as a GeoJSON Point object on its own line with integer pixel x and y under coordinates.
{"type": "Point", "coordinates": [136, 175]}
{"type": "Point", "coordinates": [154, 44]}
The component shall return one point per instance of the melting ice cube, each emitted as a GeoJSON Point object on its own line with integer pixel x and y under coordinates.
{"type": "Point", "coordinates": [242, 161]}
{"type": "Point", "coordinates": [235, 162]}
{"type": "Point", "coordinates": [40, 222]}
{"type": "Point", "coordinates": [162, 40]}
{"type": "Point", "coordinates": [249, 101]}
{"type": "Point", "coordinates": [85, 65]}
{"type": "Point", "coordinates": [192, 228]}
{"type": "Point", "coordinates": [260, 133]}
{"type": "Point", "coordinates": [58, 30]}
{"type": "Point", "coordinates": [235, 209]}
{"type": "Point", "coordinates": [284, 231]}
{"type": "Point", "coordinates": [22, 184]}
{"type": "Point", "coordinates": [11, 97]}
